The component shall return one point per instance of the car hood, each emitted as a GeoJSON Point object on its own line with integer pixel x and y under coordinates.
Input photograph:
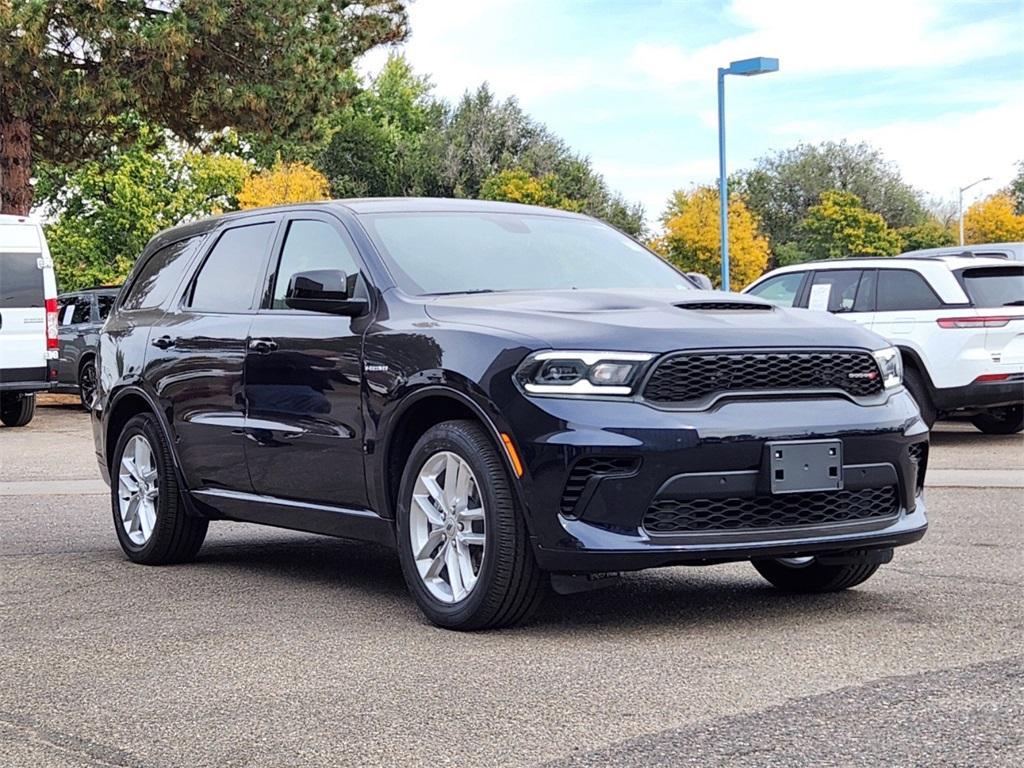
{"type": "Point", "coordinates": [649, 321]}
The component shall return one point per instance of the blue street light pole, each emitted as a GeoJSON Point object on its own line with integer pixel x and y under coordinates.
{"type": "Point", "coordinates": [746, 67]}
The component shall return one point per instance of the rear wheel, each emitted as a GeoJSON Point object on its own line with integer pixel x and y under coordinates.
{"type": "Point", "coordinates": [462, 539]}
{"type": "Point", "coordinates": [1000, 421]}
{"type": "Point", "coordinates": [87, 383]}
{"type": "Point", "coordinates": [806, 574]}
{"type": "Point", "coordinates": [17, 408]}
{"type": "Point", "coordinates": [149, 515]}
{"type": "Point", "coordinates": [914, 382]}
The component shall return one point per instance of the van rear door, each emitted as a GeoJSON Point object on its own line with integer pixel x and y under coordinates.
{"type": "Point", "coordinates": [22, 316]}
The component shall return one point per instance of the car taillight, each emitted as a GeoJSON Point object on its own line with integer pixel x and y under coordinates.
{"type": "Point", "coordinates": [51, 324]}
{"type": "Point", "coordinates": [973, 322]}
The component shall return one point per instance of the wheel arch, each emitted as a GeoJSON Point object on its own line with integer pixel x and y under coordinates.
{"type": "Point", "coordinates": [912, 359]}
{"type": "Point", "coordinates": [415, 415]}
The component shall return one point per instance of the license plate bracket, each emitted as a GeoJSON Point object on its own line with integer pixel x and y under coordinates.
{"type": "Point", "coordinates": [800, 466]}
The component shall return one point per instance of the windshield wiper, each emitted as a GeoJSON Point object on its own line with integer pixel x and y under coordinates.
{"type": "Point", "coordinates": [460, 293]}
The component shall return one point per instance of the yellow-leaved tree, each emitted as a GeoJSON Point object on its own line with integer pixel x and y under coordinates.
{"type": "Point", "coordinates": [284, 183]}
{"type": "Point", "coordinates": [691, 239]}
{"type": "Point", "coordinates": [993, 220]}
{"type": "Point", "coordinates": [518, 186]}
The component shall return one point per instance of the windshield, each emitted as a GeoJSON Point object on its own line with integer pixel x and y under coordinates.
{"type": "Point", "coordinates": [995, 286]}
{"type": "Point", "coordinates": [436, 253]}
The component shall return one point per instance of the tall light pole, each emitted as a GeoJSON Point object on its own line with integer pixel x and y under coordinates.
{"type": "Point", "coordinates": [960, 204]}
{"type": "Point", "coordinates": [746, 67]}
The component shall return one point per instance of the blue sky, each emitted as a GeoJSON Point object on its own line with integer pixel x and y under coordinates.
{"type": "Point", "coordinates": [938, 85]}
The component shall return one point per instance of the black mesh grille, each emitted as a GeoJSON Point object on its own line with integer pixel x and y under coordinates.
{"type": "Point", "coordinates": [586, 468]}
{"type": "Point", "coordinates": [690, 378]}
{"type": "Point", "coordinates": [783, 511]}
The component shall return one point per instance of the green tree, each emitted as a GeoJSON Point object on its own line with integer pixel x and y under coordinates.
{"type": "Point", "coordinates": [102, 214]}
{"type": "Point", "coordinates": [1016, 190]}
{"type": "Point", "coordinates": [517, 186]}
{"type": "Point", "coordinates": [930, 234]}
{"type": "Point", "coordinates": [265, 67]}
{"type": "Point", "coordinates": [840, 226]}
{"type": "Point", "coordinates": [782, 187]}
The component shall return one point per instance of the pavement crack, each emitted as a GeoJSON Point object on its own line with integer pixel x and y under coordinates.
{"type": "Point", "coordinates": [88, 752]}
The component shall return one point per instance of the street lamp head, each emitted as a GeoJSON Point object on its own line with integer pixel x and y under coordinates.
{"type": "Point", "coordinates": [757, 66]}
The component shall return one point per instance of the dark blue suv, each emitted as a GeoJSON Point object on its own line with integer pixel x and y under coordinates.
{"type": "Point", "coordinates": [513, 397]}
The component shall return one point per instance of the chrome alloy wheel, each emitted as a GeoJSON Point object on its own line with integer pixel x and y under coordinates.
{"type": "Point", "coordinates": [795, 562]}
{"type": "Point", "coordinates": [446, 527]}
{"type": "Point", "coordinates": [138, 489]}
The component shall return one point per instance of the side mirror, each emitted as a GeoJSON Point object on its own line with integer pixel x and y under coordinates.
{"type": "Point", "coordinates": [323, 290]}
{"type": "Point", "coordinates": [701, 281]}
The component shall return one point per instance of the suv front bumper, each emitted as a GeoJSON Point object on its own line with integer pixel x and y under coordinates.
{"type": "Point", "coordinates": [602, 528]}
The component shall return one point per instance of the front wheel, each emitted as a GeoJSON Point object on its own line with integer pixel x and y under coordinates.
{"type": "Point", "coordinates": [1000, 421]}
{"type": "Point", "coordinates": [87, 383]}
{"type": "Point", "coordinates": [806, 574]}
{"type": "Point", "coordinates": [17, 408]}
{"type": "Point", "coordinates": [462, 539]}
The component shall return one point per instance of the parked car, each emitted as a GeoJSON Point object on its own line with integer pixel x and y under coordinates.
{"type": "Point", "coordinates": [958, 322]}
{"type": "Point", "coordinates": [513, 396]}
{"type": "Point", "coordinates": [28, 318]}
{"type": "Point", "coordinates": [80, 316]}
{"type": "Point", "coordinates": [1011, 251]}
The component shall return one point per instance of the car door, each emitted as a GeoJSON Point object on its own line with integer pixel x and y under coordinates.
{"type": "Point", "coordinates": [303, 376]}
{"type": "Point", "coordinates": [846, 292]}
{"type": "Point", "coordinates": [197, 355]}
{"type": "Point", "coordinates": [905, 305]}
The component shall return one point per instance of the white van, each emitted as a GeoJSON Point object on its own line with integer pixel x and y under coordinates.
{"type": "Point", "coordinates": [28, 318]}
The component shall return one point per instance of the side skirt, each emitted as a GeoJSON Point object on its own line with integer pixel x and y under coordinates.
{"type": "Point", "coordinates": [361, 524]}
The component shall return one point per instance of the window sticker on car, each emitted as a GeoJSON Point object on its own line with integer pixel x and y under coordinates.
{"type": "Point", "coordinates": [819, 297]}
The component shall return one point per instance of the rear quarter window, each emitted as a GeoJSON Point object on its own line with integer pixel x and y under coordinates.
{"type": "Point", "coordinates": [994, 286]}
{"type": "Point", "coordinates": [21, 281]}
{"type": "Point", "coordinates": [160, 275]}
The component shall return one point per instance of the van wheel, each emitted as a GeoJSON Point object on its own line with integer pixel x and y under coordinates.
{"type": "Point", "coordinates": [149, 516]}
{"type": "Point", "coordinates": [462, 539]}
{"type": "Point", "coordinates": [806, 574]}
{"type": "Point", "coordinates": [17, 408]}
{"type": "Point", "coordinates": [87, 383]}
{"type": "Point", "coordinates": [1000, 421]}
{"type": "Point", "coordinates": [914, 382]}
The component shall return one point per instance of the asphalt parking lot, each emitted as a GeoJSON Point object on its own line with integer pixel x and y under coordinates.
{"type": "Point", "coordinates": [285, 649]}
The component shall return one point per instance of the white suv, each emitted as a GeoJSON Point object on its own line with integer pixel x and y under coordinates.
{"type": "Point", "coordinates": [28, 319]}
{"type": "Point", "coordinates": [959, 322]}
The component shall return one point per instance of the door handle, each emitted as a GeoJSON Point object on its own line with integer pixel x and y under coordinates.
{"type": "Point", "coordinates": [262, 346]}
{"type": "Point", "coordinates": [164, 342]}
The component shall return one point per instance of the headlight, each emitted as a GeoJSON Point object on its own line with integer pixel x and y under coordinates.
{"type": "Point", "coordinates": [890, 363]}
{"type": "Point", "coordinates": [581, 373]}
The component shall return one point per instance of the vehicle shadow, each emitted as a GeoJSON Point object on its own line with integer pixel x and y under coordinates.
{"type": "Point", "coordinates": [672, 598]}
{"type": "Point", "coordinates": [964, 439]}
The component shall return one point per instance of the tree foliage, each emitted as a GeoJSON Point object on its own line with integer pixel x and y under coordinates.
{"type": "Point", "coordinates": [518, 186]}
{"type": "Point", "coordinates": [1016, 190]}
{"type": "Point", "coordinates": [930, 234]}
{"type": "Point", "coordinates": [396, 138]}
{"type": "Point", "coordinates": [692, 240]}
{"type": "Point", "coordinates": [102, 214]}
{"type": "Point", "coordinates": [840, 226]}
{"type": "Point", "coordinates": [993, 220]}
{"type": "Point", "coordinates": [783, 187]}
{"type": "Point", "coordinates": [265, 67]}
{"type": "Point", "coordinates": [283, 183]}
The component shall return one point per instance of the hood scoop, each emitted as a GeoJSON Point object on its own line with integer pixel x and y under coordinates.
{"type": "Point", "coordinates": [725, 306]}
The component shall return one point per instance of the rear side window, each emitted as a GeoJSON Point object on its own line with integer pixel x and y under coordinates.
{"type": "Point", "coordinates": [780, 290]}
{"type": "Point", "coordinates": [104, 304]}
{"type": "Point", "coordinates": [227, 280]}
{"type": "Point", "coordinates": [835, 290]}
{"type": "Point", "coordinates": [995, 286]}
{"type": "Point", "coordinates": [160, 275]}
{"type": "Point", "coordinates": [83, 310]}
{"type": "Point", "coordinates": [901, 289]}
{"type": "Point", "coordinates": [21, 281]}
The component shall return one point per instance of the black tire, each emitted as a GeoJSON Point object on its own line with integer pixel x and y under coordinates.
{"type": "Point", "coordinates": [915, 384]}
{"type": "Point", "coordinates": [87, 383]}
{"type": "Point", "coordinates": [813, 576]}
{"type": "Point", "coordinates": [176, 536]}
{"type": "Point", "coordinates": [510, 585]}
{"type": "Point", "coordinates": [1000, 421]}
{"type": "Point", "coordinates": [17, 408]}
